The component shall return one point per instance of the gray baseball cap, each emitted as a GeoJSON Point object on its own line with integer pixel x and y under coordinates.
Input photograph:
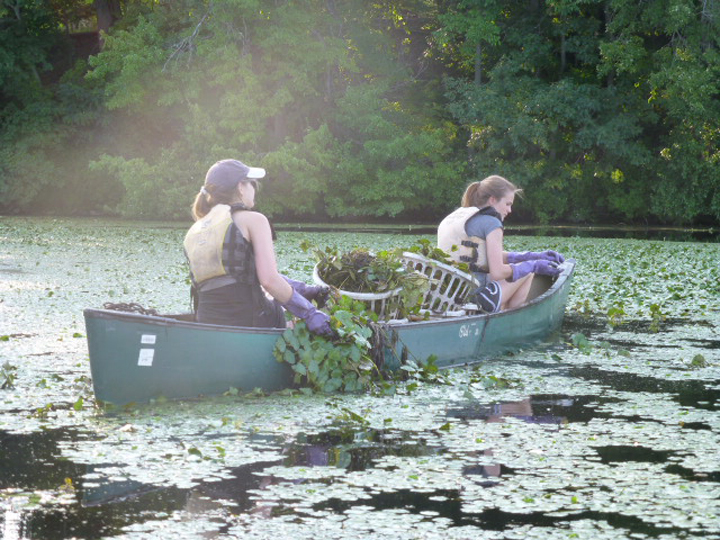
{"type": "Point", "coordinates": [229, 172]}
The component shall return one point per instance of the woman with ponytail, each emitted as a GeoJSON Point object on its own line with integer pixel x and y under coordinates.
{"type": "Point", "coordinates": [473, 234]}
{"type": "Point", "coordinates": [232, 258]}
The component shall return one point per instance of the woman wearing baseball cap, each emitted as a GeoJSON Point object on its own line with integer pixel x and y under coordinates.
{"type": "Point", "coordinates": [232, 258]}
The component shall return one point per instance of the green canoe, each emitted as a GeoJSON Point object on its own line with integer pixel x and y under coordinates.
{"type": "Point", "coordinates": [135, 357]}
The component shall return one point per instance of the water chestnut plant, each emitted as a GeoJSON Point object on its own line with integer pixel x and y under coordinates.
{"type": "Point", "coordinates": [363, 271]}
{"type": "Point", "coordinates": [339, 363]}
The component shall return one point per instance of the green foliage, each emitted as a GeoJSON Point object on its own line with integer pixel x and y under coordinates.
{"type": "Point", "coordinates": [656, 317]}
{"type": "Point", "coordinates": [699, 362]}
{"type": "Point", "coordinates": [392, 159]}
{"type": "Point", "coordinates": [127, 65]}
{"type": "Point", "coordinates": [348, 361]}
{"type": "Point", "coordinates": [473, 27]}
{"type": "Point", "coordinates": [152, 190]}
{"type": "Point", "coordinates": [29, 31]}
{"type": "Point", "coordinates": [302, 172]}
{"type": "Point", "coordinates": [343, 363]}
{"type": "Point", "coordinates": [616, 315]}
{"type": "Point", "coordinates": [602, 112]}
{"type": "Point", "coordinates": [384, 272]}
{"type": "Point", "coordinates": [360, 270]}
{"type": "Point", "coordinates": [581, 342]}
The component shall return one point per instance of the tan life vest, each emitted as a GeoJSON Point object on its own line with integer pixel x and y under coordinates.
{"type": "Point", "coordinates": [204, 244]}
{"type": "Point", "coordinates": [454, 241]}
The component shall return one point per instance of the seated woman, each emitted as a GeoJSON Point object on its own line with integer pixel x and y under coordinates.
{"type": "Point", "coordinates": [474, 234]}
{"type": "Point", "coordinates": [232, 258]}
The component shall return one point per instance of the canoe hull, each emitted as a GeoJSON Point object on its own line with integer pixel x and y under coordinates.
{"type": "Point", "coordinates": [136, 358]}
{"type": "Point", "coordinates": [467, 340]}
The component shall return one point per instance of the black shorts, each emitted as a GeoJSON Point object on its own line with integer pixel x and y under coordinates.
{"type": "Point", "coordinates": [489, 297]}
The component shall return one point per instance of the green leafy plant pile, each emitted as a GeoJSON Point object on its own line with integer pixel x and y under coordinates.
{"type": "Point", "coordinates": [341, 363]}
{"type": "Point", "coordinates": [348, 360]}
{"type": "Point", "coordinates": [362, 271]}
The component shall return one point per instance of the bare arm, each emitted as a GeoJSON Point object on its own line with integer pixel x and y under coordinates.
{"type": "Point", "coordinates": [256, 228]}
{"type": "Point", "coordinates": [497, 258]}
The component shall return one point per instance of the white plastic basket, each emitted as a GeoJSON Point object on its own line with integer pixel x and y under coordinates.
{"type": "Point", "coordinates": [448, 285]}
{"type": "Point", "coordinates": [386, 304]}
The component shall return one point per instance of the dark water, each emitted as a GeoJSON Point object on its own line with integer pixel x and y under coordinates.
{"type": "Point", "coordinates": [32, 462]}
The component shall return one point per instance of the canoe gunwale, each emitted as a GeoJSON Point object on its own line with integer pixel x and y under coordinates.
{"type": "Point", "coordinates": [170, 320]}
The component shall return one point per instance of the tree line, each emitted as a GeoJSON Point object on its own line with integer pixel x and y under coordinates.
{"type": "Point", "coordinates": [602, 110]}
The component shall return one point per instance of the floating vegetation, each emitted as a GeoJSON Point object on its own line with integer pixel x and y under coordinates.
{"type": "Point", "coordinates": [341, 362]}
{"type": "Point", "coordinates": [610, 431]}
{"type": "Point", "coordinates": [7, 376]}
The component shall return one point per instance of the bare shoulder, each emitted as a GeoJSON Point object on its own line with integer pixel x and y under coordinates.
{"type": "Point", "coordinates": [251, 224]}
{"type": "Point", "coordinates": [250, 217]}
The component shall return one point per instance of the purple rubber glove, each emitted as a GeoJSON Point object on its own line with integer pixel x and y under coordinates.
{"type": "Point", "coordinates": [317, 321]}
{"type": "Point", "coordinates": [311, 292]}
{"type": "Point", "coordinates": [543, 268]}
{"type": "Point", "coordinates": [547, 255]}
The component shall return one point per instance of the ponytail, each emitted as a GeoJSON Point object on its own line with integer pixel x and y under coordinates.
{"type": "Point", "coordinates": [201, 206]}
{"type": "Point", "coordinates": [479, 193]}
{"type": "Point", "coordinates": [210, 195]}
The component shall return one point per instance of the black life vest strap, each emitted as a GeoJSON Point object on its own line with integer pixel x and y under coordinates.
{"type": "Point", "coordinates": [490, 211]}
{"type": "Point", "coordinates": [259, 298]}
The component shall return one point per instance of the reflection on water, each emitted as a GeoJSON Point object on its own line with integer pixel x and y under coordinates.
{"type": "Point", "coordinates": [354, 450]}
{"type": "Point", "coordinates": [105, 506]}
{"type": "Point", "coordinates": [542, 409]}
{"type": "Point", "coordinates": [624, 453]}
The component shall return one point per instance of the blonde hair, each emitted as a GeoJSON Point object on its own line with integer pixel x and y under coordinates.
{"type": "Point", "coordinates": [479, 193]}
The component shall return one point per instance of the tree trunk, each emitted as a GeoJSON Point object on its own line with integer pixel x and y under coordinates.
{"type": "Point", "coordinates": [108, 12]}
{"type": "Point", "coordinates": [478, 64]}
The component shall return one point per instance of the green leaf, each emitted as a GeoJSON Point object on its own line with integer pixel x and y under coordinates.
{"type": "Point", "coordinates": [313, 367]}
{"type": "Point", "coordinates": [300, 368]}
{"type": "Point", "coordinates": [332, 385]}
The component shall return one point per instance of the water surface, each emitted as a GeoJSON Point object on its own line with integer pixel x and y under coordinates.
{"type": "Point", "coordinates": [609, 430]}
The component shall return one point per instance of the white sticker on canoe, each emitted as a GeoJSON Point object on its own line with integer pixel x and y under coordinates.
{"type": "Point", "coordinates": [148, 339]}
{"type": "Point", "coordinates": [145, 358]}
